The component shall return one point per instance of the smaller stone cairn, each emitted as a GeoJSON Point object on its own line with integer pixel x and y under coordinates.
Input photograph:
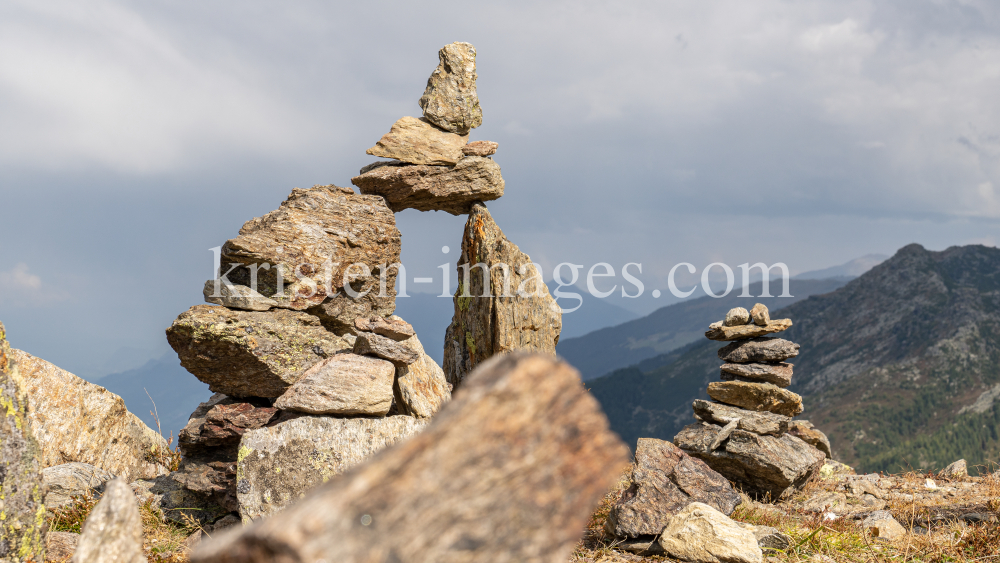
{"type": "Point", "coordinates": [747, 433]}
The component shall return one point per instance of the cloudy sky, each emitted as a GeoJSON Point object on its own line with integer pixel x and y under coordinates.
{"type": "Point", "coordinates": [134, 136]}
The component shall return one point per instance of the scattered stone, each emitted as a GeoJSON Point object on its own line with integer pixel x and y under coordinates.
{"type": "Point", "coordinates": [751, 421]}
{"type": "Point", "coordinates": [385, 348]}
{"type": "Point", "coordinates": [930, 484]}
{"type": "Point", "coordinates": [113, 531]}
{"type": "Point", "coordinates": [834, 470]}
{"type": "Point", "coordinates": [811, 435]}
{"type": "Point", "coordinates": [665, 480]}
{"type": "Point", "coordinates": [770, 538]}
{"type": "Point", "coordinates": [480, 148]}
{"type": "Point", "coordinates": [74, 420]}
{"type": "Point", "coordinates": [344, 384]}
{"type": "Point", "coordinates": [249, 353]}
{"type": "Point", "coordinates": [779, 374]}
{"type": "Point", "coordinates": [453, 189]}
{"type": "Point", "coordinates": [393, 327]}
{"type": "Point", "coordinates": [73, 479]}
{"type": "Point", "coordinates": [702, 534]}
{"type": "Point", "coordinates": [758, 350]}
{"type": "Point", "coordinates": [236, 296]}
{"type": "Point", "coordinates": [517, 312]}
{"type": "Point", "coordinates": [60, 546]}
{"type": "Point", "coordinates": [747, 330]}
{"type": "Point", "coordinates": [737, 316]}
{"type": "Point", "coordinates": [760, 315]}
{"type": "Point", "coordinates": [416, 141]}
{"type": "Point", "coordinates": [450, 100]}
{"type": "Point", "coordinates": [826, 501]}
{"type": "Point", "coordinates": [882, 525]}
{"type": "Point", "coordinates": [510, 470]}
{"type": "Point", "coordinates": [756, 396]}
{"type": "Point", "coordinates": [422, 387]}
{"type": "Point", "coordinates": [956, 469]}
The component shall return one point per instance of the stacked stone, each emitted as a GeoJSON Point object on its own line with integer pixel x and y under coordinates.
{"type": "Point", "coordinates": [746, 432]}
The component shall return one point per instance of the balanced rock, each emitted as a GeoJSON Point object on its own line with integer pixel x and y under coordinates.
{"type": "Point", "coordinates": [345, 384]}
{"type": "Point", "coordinates": [450, 100]}
{"type": "Point", "coordinates": [751, 421]}
{"type": "Point", "coordinates": [702, 534]}
{"type": "Point", "coordinates": [480, 148]}
{"type": "Point", "coordinates": [23, 526]}
{"type": "Point", "coordinates": [236, 296]}
{"type": "Point", "coordinates": [392, 327]}
{"type": "Point", "coordinates": [736, 316]}
{"type": "Point", "coordinates": [804, 430]}
{"type": "Point", "coordinates": [718, 331]}
{"type": "Point", "coordinates": [315, 240]}
{"type": "Point", "coordinates": [113, 530]}
{"type": "Point", "coordinates": [422, 388]}
{"type": "Point", "coordinates": [509, 470]}
{"type": "Point", "coordinates": [385, 348]}
{"type": "Point", "coordinates": [279, 464]}
{"type": "Point", "coordinates": [756, 397]}
{"type": "Point", "coordinates": [250, 353]}
{"type": "Point", "coordinates": [337, 314]}
{"type": "Point", "coordinates": [416, 141]}
{"type": "Point", "coordinates": [500, 306]}
{"type": "Point", "coordinates": [665, 480]}
{"type": "Point", "coordinates": [760, 315]}
{"type": "Point", "coordinates": [779, 374]}
{"type": "Point", "coordinates": [434, 188]}
{"type": "Point", "coordinates": [758, 350]}
{"type": "Point", "coordinates": [74, 420]}
{"type": "Point", "coordinates": [73, 479]}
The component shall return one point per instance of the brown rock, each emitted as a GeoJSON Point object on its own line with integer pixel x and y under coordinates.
{"type": "Point", "coordinates": [337, 314]}
{"type": "Point", "coordinates": [220, 422]}
{"type": "Point", "coordinates": [760, 315]}
{"type": "Point", "coordinates": [434, 188]}
{"type": "Point", "coordinates": [665, 480]}
{"type": "Point", "coordinates": [422, 387]}
{"type": "Point", "coordinates": [385, 348]}
{"type": "Point", "coordinates": [344, 384]}
{"type": "Point", "coordinates": [725, 333]}
{"type": "Point", "coordinates": [393, 327]}
{"type": "Point", "coordinates": [756, 397]}
{"type": "Point", "coordinates": [517, 311]}
{"type": "Point", "coordinates": [510, 470]}
{"type": "Point", "coordinates": [450, 100]}
{"type": "Point", "coordinates": [480, 148]}
{"type": "Point", "coordinates": [59, 546]}
{"type": "Point", "coordinates": [758, 350]}
{"type": "Point", "coordinates": [113, 530]}
{"type": "Point", "coordinates": [416, 141]}
{"type": "Point", "coordinates": [249, 353]}
{"type": "Point", "coordinates": [751, 421]}
{"type": "Point", "coordinates": [236, 296]}
{"type": "Point", "coordinates": [737, 316]}
{"type": "Point", "coordinates": [804, 430]}
{"type": "Point", "coordinates": [779, 374]}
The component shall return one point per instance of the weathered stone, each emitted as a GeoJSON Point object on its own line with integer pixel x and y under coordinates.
{"type": "Point", "coordinates": [742, 332]}
{"type": "Point", "coordinates": [956, 469]}
{"type": "Point", "coordinates": [310, 242]}
{"type": "Point", "coordinates": [723, 434]}
{"type": "Point", "coordinates": [279, 464]}
{"type": "Point", "coordinates": [665, 480]}
{"type": "Point", "coordinates": [760, 315]}
{"type": "Point", "coordinates": [434, 188]}
{"type": "Point", "coordinates": [343, 384]}
{"type": "Point", "coordinates": [737, 316]}
{"type": "Point", "coordinates": [450, 100]}
{"type": "Point", "coordinates": [220, 422]}
{"type": "Point", "coordinates": [779, 374]}
{"type": "Point", "coordinates": [702, 534]}
{"type": "Point", "coordinates": [74, 420]}
{"type": "Point", "coordinates": [23, 526]}
{"type": "Point", "coordinates": [834, 470]}
{"type": "Point", "coordinates": [644, 545]}
{"type": "Point", "coordinates": [416, 141]}
{"type": "Point", "coordinates": [73, 479]}
{"type": "Point", "coordinates": [236, 296]}
{"type": "Point", "coordinates": [751, 421]}
{"type": "Point", "coordinates": [337, 314]}
{"type": "Point", "coordinates": [509, 470]}
{"type": "Point", "coordinates": [386, 348]}
{"type": "Point", "coordinates": [883, 525]}
{"type": "Point", "coordinates": [823, 502]}
{"type": "Point", "coordinates": [804, 430]}
{"type": "Point", "coordinates": [756, 397]}
{"type": "Point", "coordinates": [763, 465]}
{"type": "Point", "coordinates": [498, 310]}
{"type": "Point", "coordinates": [178, 503]}
{"type": "Point", "coordinates": [393, 327]}
{"type": "Point", "coordinates": [60, 546]}
{"type": "Point", "coordinates": [249, 353]}
{"type": "Point", "coordinates": [480, 148]}
{"type": "Point", "coordinates": [422, 387]}
{"type": "Point", "coordinates": [770, 538]}
{"type": "Point", "coordinates": [113, 530]}
{"type": "Point", "coordinates": [758, 350]}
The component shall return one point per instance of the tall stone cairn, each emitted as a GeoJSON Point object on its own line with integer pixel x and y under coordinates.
{"type": "Point", "coordinates": [746, 432]}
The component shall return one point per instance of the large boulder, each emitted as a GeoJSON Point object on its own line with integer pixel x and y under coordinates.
{"type": "Point", "coordinates": [345, 384]}
{"type": "Point", "coordinates": [496, 310]}
{"type": "Point", "coordinates": [509, 470]}
{"type": "Point", "coordinates": [113, 530]}
{"type": "Point", "coordinates": [23, 526]}
{"type": "Point", "coordinates": [450, 100]}
{"type": "Point", "coordinates": [434, 188]}
{"type": "Point", "coordinates": [73, 479]}
{"type": "Point", "coordinates": [701, 534]}
{"type": "Point", "coordinates": [250, 353]}
{"type": "Point", "coordinates": [74, 420]}
{"type": "Point", "coordinates": [665, 480]}
{"type": "Point", "coordinates": [416, 141]}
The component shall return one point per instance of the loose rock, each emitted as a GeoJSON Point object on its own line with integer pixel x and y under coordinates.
{"type": "Point", "coordinates": [751, 421]}
{"type": "Point", "coordinates": [758, 350]}
{"type": "Point", "coordinates": [956, 469]}
{"type": "Point", "coordinates": [760, 315]}
{"type": "Point", "coordinates": [385, 348]}
{"type": "Point", "coordinates": [344, 384]}
{"type": "Point", "coordinates": [113, 531]}
{"type": "Point", "coordinates": [756, 396]}
{"type": "Point", "coordinates": [393, 327]}
{"type": "Point", "coordinates": [779, 374]}
{"type": "Point", "coordinates": [480, 148]}
{"type": "Point", "coordinates": [423, 388]}
{"type": "Point", "coordinates": [416, 141]}
{"type": "Point", "coordinates": [236, 296]}
{"type": "Point", "coordinates": [701, 534]}
{"type": "Point", "coordinates": [811, 435]}
{"type": "Point", "coordinates": [73, 479]}
{"type": "Point", "coordinates": [746, 331]}
{"type": "Point", "coordinates": [883, 525]}
{"type": "Point", "coordinates": [434, 188]}
{"type": "Point", "coordinates": [450, 100]}
{"type": "Point", "coordinates": [60, 546]}
{"type": "Point", "coordinates": [736, 316]}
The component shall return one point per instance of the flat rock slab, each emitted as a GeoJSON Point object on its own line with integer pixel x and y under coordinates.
{"type": "Point", "coordinates": [386, 348]}
{"type": "Point", "coordinates": [751, 421]}
{"type": "Point", "coordinates": [480, 148]}
{"type": "Point", "coordinates": [338, 313]}
{"type": "Point", "coordinates": [422, 387]}
{"type": "Point", "coordinates": [804, 430]}
{"type": "Point", "coordinates": [779, 374]}
{"type": "Point", "coordinates": [75, 420]}
{"type": "Point", "coordinates": [702, 534]}
{"type": "Point", "coordinates": [510, 470]}
{"type": "Point", "coordinates": [758, 350]}
{"type": "Point", "coordinates": [73, 479]}
{"type": "Point", "coordinates": [393, 327]}
{"type": "Point", "coordinates": [756, 397]}
{"type": "Point", "coordinates": [741, 332]}
{"type": "Point", "coordinates": [665, 480]}
{"type": "Point", "coordinates": [236, 296]}
{"type": "Point", "coordinates": [344, 384]}
{"type": "Point", "coordinates": [113, 530]}
{"type": "Point", "coordinates": [278, 465]}
{"type": "Point", "coordinates": [763, 465]}
{"type": "Point", "coordinates": [416, 141]}
{"type": "Point", "coordinates": [450, 100]}
{"type": "Point", "coordinates": [250, 353]}
{"type": "Point", "coordinates": [434, 188]}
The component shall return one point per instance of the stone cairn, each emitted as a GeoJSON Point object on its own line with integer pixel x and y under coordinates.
{"type": "Point", "coordinates": [312, 372]}
{"type": "Point", "coordinates": [747, 433]}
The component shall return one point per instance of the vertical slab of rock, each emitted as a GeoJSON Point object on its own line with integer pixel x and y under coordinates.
{"type": "Point", "coordinates": [113, 531]}
{"type": "Point", "coordinates": [75, 420]}
{"type": "Point", "coordinates": [279, 464]}
{"type": "Point", "coordinates": [450, 100]}
{"type": "Point", "coordinates": [509, 470]}
{"type": "Point", "coordinates": [421, 388]}
{"type": "Point", "coordinates": [516, 315]}
{"type": "Point", "coordinates": [22, 514]}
